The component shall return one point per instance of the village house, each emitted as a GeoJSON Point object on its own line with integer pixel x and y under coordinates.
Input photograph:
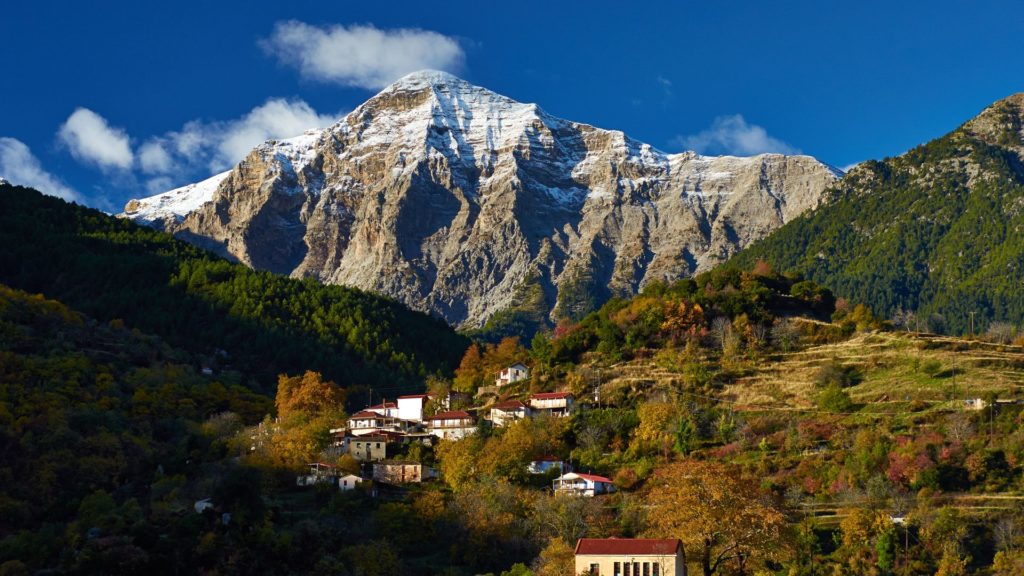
{"type": "Point", "coordinates": [453, 425]}
{"type": "Point", "coordinates": [349, 482]}
{"type": "Point", "coordinates": [544, 463]}
{"type": "Point", "coordinates": [401, 472]}
{"type": "Point", "coordinates": [368, 448]}
{"type": "Point", "coordinates": [514, 373]}
{"type": "Point", "coordinates": [411, 407]}
{"type": "Point", "coordinates": [389, 409]}
{"type": "Point", "coordinates": [629, 557]}
{"type": "Point", "coordinates": [370, 422]}
{"type": "Point", "coordinates": [510, 411]}
{"type": "Point", "coordinates": [552, 403]}
{"type": "Point", "coordinates": [578, 484]}
{"type": "Point", "coordinates": [319, 473]}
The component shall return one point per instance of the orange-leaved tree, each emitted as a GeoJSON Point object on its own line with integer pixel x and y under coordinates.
{"type": "Point", "coordinates": [720, 514]}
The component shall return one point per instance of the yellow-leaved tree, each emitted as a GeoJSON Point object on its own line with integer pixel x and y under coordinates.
{"type": "Point", "coordinates": [720, 515]}
{"type": "Point", "coordinates": [307, 408]}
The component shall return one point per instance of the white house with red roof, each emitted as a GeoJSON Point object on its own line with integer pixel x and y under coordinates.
{"type": "Point", "coordinates": [452, 425]}
{"type": "Point", "coordinates": [552, 403]}
{"type": "Point", "coordinates": [371, 422]}
{"type": "Point", "coordinates": [580, 484]}
{"type": "Point", "coordinates": [411, 407]}
{"type": "Point", "coordinates": [385, 408]}
{"type": "Point", "coordinates": [504, 412]}
{"type": "Point", "coordinates": [514, 373]}
{"type": "Point", "coordinates": [630, 557]}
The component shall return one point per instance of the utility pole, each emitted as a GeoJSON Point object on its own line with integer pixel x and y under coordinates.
{"type": "Point", "coordinates": [991, 418]}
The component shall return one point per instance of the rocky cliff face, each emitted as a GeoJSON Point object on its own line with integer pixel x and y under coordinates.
{"type": "Point", "coordinates": [464, 203]}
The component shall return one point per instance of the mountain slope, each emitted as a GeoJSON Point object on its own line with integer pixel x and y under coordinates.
{"type": "Point", "coordinates": [87, 406]}
{"type": "Point", "coordinates": [937, 230]}
{"type": "Point", "coordinates": [464, 203]}
{"type": "Point", "coordinates": [111, 269]}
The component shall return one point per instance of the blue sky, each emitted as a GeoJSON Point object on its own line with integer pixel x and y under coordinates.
{"type": "Point", "coordinates": [105, 101]}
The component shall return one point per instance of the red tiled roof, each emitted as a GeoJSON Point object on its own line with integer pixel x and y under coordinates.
{"type": "Point", "coordinates": [628, 546]}
{"type": "Point", "coordinates": [365, 414]}
{"type": "Point", "coordinates": [550, 395]}
{"type": "Point", "coordinates": [509, 405]}
{"type": "Point", "coordinates": [592, 477]}
{"type": "Point", "coordinates": [547, 459]}
{"type": "Point", "coordinates": [384, 406]}
{"type": "Point", "coordinates": [411, 396]}
{"type": "Point", "coordinates": [453, 415]}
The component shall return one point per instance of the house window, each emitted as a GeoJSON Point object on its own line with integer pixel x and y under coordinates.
{"type": "Point", "coordinates": [617, 569]}
{"type": "Point", "coordinates": [595, 569]}
{"type": "Point", "coordinates": [627, 569]}
{"type": "Point", "coordinates": [655, 570]}
{"type": "Point", "coordinates": [647, 569]}
{"type": "Point", "coordinates": [636, 569]}
{"type": "Point", "coordinates": [378, 444]}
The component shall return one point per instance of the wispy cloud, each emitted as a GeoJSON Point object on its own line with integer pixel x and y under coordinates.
{"type": "Point", "coordinates": [92, 140]}
{"type": "Point", "coordinates": [665, 84]}
{"type": "Point", "coordinates": [733, 135]}
{"type": "Point", "coordinates": [361, 55]}
{"type": "Point", "coordinates": [19, 166]}
{"type": "Point", "coordinates": [196, 150]}
{"type": "Point", "coordinates": [217, 145]}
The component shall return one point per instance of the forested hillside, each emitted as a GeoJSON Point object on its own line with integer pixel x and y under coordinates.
{"type": "Point", "coordinates": [102, 440]}
{"type": "Point", "coordinates": [232, 316]}
{"type": "Point", "coordinates": [936, 232]}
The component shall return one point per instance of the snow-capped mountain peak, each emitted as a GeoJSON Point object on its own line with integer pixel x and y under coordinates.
{"type": "Point", "coordinates": [455, 199]}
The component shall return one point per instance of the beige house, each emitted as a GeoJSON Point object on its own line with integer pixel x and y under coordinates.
{"type": "Point", "coordinates": [629, 557]}
{"type": "Point", "coordinates": [368, 448]}
{"type": "Point", "coordinates": [453, 425]}
{"type": "Point", "coordinates": [506, 412]}
{"type": "Point", "coordinates": [552, 403]}
{"type": "Point", "coordinates": [401, 472]}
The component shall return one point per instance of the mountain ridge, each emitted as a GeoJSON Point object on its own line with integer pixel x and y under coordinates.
{"type": "Point", "coordinates": [945, 217]}
{"type": "Point", "coordinates": [456, 200]}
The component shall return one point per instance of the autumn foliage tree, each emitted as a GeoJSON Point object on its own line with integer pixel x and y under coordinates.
{"type": "Point", "coordinates": [720, 515]}
{"type": "Point", "coordinates": [481, 363]}
{"type": "Point", "coordinates": [307, 408]}
{"type": "Point", "coordinates": [308, 394]}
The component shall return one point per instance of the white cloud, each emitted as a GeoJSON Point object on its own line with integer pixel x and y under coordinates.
{"type": "Point", "coordinates": [733, 135]}
{"type": "Point", "coordinates": [159, 185]}
{"type": "Point", "coordinates": [361, 55]}
{"type": "Point", "coordinates": [216, 146]}
{"type": "Point", "coordinates": [19, 166]}
{"type": "Point", "coordinates": [91, 139]}
{"type": "Point", "coordinates": [154, 158]}
{"type": "Point", "coordinates": [665, 83]}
